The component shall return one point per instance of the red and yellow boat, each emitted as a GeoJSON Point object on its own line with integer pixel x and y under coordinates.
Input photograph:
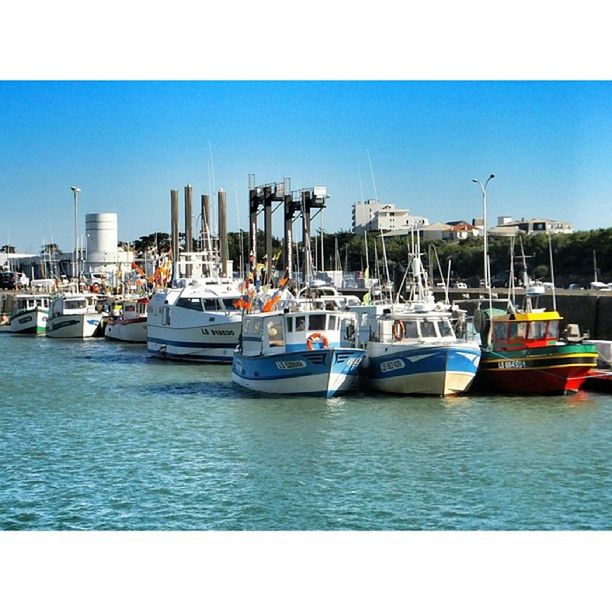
{"type": "Point", "coordinates": [522, 354]}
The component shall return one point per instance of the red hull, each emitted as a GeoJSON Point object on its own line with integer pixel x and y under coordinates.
{"type": "Point", "coordinates": [532, 381]}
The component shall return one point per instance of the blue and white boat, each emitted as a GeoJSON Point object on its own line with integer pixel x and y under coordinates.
{"type": "Point", "coordinates": [412, 347]}
{"type": "Point", "coordinates": [305, 352]}
{"type": "Point", "coordinates": [415, 352]}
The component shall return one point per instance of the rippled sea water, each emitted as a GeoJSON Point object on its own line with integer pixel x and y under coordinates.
{"type": "Point", "coordinates": [96, 435]}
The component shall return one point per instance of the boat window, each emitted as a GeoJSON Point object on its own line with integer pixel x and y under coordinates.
{"type": "Point", "coordinates": [300, 323]}
{"type": "Point", "coordinates": [445, 328]}
{"type": "Point", "coordinates": [537, 330]}
{"type": "Point", "coordinates": [428, 329]}
{"type": "Point", "coordinates": [190, 303]}
{"type": "Point", "coordinates": [411, 329]}
{"type": "Point", "coordinates": [553, 329]}
{"type": "Point", "coordinates": [210, 304]}
{"type": "Point", "coordinates": [333, 322]}
{"type": "Point", "coordinates": [500, 330]}
{"type": "Point", "coordinates": [289, 324]}
{"type": "Point", "coordinates": [253, 327]}
{"type": "Point", "coordinates": [517, 330]}
{"type": "Point", "coordinates": [69, 304]}
{"type": "Point", "coordinates": [228, 303]}
{"type": "Point", "coordinates": [316, 322]}
{"type": "Point", "coordinates": [275, 332]}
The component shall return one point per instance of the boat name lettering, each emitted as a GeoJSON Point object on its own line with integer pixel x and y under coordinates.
{"type": "Point", "coordinates": [291, 365]}
{"type": "Point", "coordinates": [394, 364]}
{"type": "Point", "coordinates": [511, 365]}
{"type": "Point", "coordinates": [218, 332]}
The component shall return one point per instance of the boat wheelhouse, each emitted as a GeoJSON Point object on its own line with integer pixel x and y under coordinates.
{"type": "Point", "coordinates": [306, 352]}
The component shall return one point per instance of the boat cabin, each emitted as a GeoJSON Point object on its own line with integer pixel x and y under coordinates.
{"type": "Point", "coordinates": [520, 331]}
{"type": "Point", "coordinates": [135, 309]}
{"type": "Point", "coordinates": [29, 302]}
{"type": "Point", "coordinates": [284, 332]}
{"type": "Point", "coordinates": [73, 304]}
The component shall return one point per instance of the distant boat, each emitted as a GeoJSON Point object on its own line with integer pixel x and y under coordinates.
{"type": "Point", "coordinates": [30, 313]}
{"type": "Point", "coordinates": [75, 316]}
{"type": "Point", "coordinates": [130, 324]}
{"type": "Point", "coordinates": [298, 352]}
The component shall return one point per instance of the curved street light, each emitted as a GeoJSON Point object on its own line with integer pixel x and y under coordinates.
{"type": "Point", "coordinates": [483, 188]}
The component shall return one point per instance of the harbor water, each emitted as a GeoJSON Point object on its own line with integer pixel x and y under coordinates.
{"type": "Point", "coordinates": [96, 435]}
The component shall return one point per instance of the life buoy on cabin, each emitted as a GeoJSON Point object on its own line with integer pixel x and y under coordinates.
{"type": "Point", "coordinates": [317, 337]}
{"type": "Point", "coordinates": [398, 330]}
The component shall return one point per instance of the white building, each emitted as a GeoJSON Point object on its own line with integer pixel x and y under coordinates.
{"type": "Point", "coordinates": [374, 216]}
{"type": "Point", "coordinates": [506, 226]}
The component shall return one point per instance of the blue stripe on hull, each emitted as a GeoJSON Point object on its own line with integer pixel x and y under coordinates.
{"type": "Point", "coordinates": [422, 361]}
{"type": "Point", "coordinates": [185, 344]}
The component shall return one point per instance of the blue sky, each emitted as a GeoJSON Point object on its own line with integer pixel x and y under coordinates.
{"type": "Point", "coordinates": [128, 143]}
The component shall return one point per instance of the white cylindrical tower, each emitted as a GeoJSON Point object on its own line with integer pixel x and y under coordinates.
{"type": "Point", "coordinates": [101, 232]}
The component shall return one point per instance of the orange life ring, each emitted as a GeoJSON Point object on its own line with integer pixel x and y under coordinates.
{"type": "Point", "coordinates": [398, 330]}
{"type": "Point", "coordinates": [317, 336]}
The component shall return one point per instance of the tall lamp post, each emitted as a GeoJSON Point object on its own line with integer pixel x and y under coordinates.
{"type": "Point", "coordinates": [75, 191]}
{"type": "Point", "coordinates": [483, 188]}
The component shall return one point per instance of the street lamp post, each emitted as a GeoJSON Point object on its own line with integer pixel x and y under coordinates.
{"type": "Point", "coordinates": [483, 188]}
{"type": "Point", "coordinates": [75, 191]}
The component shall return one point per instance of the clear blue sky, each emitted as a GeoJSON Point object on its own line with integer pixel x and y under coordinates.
{"type": "Point", "coordinates": [127, 144]}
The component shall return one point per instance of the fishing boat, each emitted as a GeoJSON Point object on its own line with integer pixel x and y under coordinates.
{"type": "Point", "coordinates": [523, 350]}
{"type": "Point", "coordinates": [128, 322]}
{"type": "Point", "coordinates": [197, 322]}
{"type": "Point", "coordinates": [30, 313]}
{"type": "Point", "coordinates": [78, 315]}
{"type": "Point", "coordinates": [412, 346]}
{"type": "Point", "coordinates": [523, 353]}
{"type": "Point", "coordinates": [298, 352]}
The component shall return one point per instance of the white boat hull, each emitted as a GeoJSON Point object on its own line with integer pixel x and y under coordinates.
{"type": "Point", "coordinates": [30, 322]}
{"type": "Point", "coordinates": [84, 325]}
{"type": "Point", "coordinates": [131, 330]}
{"type": "Point", "coordinates": [210, 343]}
